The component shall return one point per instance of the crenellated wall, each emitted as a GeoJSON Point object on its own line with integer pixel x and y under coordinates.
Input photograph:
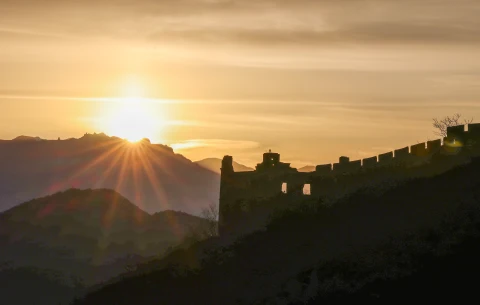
{"type": "Point", "coordinates": [337, 179]}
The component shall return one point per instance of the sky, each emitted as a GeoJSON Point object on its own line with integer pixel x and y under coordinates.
{"type": "Point", "coordinates": [312, 80]}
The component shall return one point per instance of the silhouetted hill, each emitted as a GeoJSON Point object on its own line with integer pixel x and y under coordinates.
{"type": "Point", "coordinates": [84, 234]}
{"type": "Point", "coordinates": [29, 285]}
{"type": "Point", "coordinates": [56, 246]}
{"type": "Point", "coordinates": [403, 245]}
{"type": "Point", "coordinates": [178, 219]}
{"type": "Point", "coordinates": [214, 164]}
{"type": "Point", "coordinates": [150, 175]}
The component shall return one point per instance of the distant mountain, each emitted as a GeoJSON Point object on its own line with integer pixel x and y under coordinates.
{"type": "Point", "coordinates": [27, 138]}
{"type": "Point", "coordinates": [150, 175]}
{"type": "Point", "coordinates": [307, 169]}
{"type": "Point", "coordinates": [83, 234]}
{"type": "Point", "coordinates": [214, 164]}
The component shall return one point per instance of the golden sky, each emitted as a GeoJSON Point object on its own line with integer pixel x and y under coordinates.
{"type": "Point", "coordinates": [312, 80]}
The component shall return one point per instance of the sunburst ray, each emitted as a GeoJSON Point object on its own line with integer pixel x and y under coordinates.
{"type": "Point", "coordinates": [159, 191]}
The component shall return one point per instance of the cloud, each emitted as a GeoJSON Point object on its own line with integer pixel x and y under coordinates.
{"type": "Point", "coordinates": [362, 33]}
{"type": "Point", "coordinates": [259, 22]}
{"type": "Point", "coordinates": [383, 149]}
{"type": "Point", "coordinates": [234, 46]}
{"type": "Point", "coordinates": [219, 144]}
{"type": "Point", "coordinates": [296, 163]}
{"type": "Point", "coordinates": [5, 32]}
{"type": "Point", "coordinates": [364, 154]}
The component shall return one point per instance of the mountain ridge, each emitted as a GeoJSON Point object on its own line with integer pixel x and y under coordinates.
{"type": "Point", "coordinates": [70, 240]}
{"type": "Point", "coordinates": [27, 138]}
{"type": "Point", "coordinates": [79, 222]}
{"type": "Point", "coordinates": [152, 176]}
{"type": "Point", "coordinates": [307, 168]}
{"type": "Point", "coordinates": [214, 164]}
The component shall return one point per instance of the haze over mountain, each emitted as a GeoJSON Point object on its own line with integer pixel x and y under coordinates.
{"type": "Point", "coordinates": [81, 236]}
{"type": "Point", "coordinates": [306, 169]}
{"type": "Point", "coordinates": [27, 138]}
{"type": "Point", "coordinates": [215, 164]}
{"type": "Point", "coordinates": [150, 175]}
{"type": "Point", "coordinates": [93, 225]}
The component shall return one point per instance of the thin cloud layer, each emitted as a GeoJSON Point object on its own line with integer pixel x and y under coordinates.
{"type": "Point", "coordinates": [220, 144]}
{"type": "Point", "coordinates": [260, 22]}
{"type": "Point", "coordinates": [358, 72]}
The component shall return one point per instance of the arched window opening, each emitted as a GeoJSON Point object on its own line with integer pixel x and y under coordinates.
{"type": "Point", "coordinates": [307, 190]}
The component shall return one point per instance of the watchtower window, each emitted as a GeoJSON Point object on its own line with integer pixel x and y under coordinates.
{"type": "Point", "coordinates": [307, 190]}
{"type": "Point", "coordinates": [284, 187]}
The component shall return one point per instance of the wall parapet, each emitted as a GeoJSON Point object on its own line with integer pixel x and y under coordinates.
{"type": "Point", "coordinates": [271, 176]}
{"type": "Point", "coordinates": [324, 169]}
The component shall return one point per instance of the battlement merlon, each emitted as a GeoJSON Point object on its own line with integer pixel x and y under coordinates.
{"type": "Point", "coordinates": [227, 165]}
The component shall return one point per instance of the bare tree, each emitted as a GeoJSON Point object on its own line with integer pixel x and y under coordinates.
{"type": "Point", "coordinates": [441, 125]}
{"type": "Point", "coordinates": [208, 227]}
{"type": "Point", "coordinates": [210, 213]}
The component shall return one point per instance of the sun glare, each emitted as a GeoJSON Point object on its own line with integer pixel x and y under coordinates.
{"type": "Point", "coordinates": [133, 119]}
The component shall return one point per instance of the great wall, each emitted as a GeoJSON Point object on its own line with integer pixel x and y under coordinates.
{"type": "Point", "coordinates": [274, 178]}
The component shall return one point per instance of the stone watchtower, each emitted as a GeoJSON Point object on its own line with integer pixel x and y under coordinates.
{"type": "Point", "coordinates": [266, 181]}
{"type": "Point", "coordinates": [226, 179]}
{"type": "Point", "coordinates": [271, 161]}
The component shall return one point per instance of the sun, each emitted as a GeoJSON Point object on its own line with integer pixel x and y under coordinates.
{"type": "Point", "coordinates": [133, 119]}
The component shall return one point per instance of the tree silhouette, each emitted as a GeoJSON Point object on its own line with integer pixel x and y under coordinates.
{"type": "Point", "coordinates": [203, 231]}
{"type": "Point", "coordinates": [210, 213]}
{"type": "Point", "coordinates": [441, 125]}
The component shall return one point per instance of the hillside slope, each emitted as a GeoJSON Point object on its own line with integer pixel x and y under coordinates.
{"type": "Point", "coordinates": [328, 255]}
{"type": "Point", "coordinates": [44, 287]}
{"type": "Point", "coordinates": [70, 230]}
{"type": "Point", "coordinates": [150, 175]}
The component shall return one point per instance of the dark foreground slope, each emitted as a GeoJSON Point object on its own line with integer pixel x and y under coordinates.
{"type": "Point", "coordinates": [70, 240]}
{"type": "Point", "coordinates": [421, 237]}
{"type": "Point", "coordinates": [30, 285]}
{"type": "Point", "coordinates": [150, 175]}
